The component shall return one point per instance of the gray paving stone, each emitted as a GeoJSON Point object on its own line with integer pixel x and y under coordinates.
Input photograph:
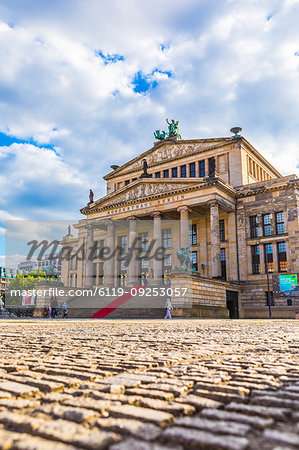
{"type": "Point", "coordinates": [192, 438]}
{"type": "Point", "coordinates": [215, 426]}
{"type": "Point", "coordinates": [282, 437]}
{"type": "Point", "coordinates": [237, 417]}
{"type": "Point", "coordinates": [134, 412]}
{"type": "Point", "coordinates": [133, 444]}
{"type": "Point", "coordinates": [146, 431]}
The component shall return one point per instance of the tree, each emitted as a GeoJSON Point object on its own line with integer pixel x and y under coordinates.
{"type": "Point", "coordinates": [24, 282]}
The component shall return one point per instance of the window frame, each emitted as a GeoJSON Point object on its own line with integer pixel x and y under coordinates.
{"type": "Point", "coordinates": [192, 170]}
{"type": "Point", "coordinates": [267, 225]}
{"type": "Point", "coordinates": [202, 168]}
{"type": "Point", "coordinates": [183, 170]}
{"type": "Point", "coordinates": [253, 227]}
{"type": "Point", "coordinates": [279, 223]}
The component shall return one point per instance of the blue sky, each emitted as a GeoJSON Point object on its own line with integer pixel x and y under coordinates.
{"type": "Point", "coordinates": [83, 85]}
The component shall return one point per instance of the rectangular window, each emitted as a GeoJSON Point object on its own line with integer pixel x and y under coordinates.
{"type": "Point", "coordinates": [123, 265]}
{"type": "Point", "coordinates": [174, 172]}
{"type": "Point", "coordinates": [282, 257]}
{"type": "Point", "coordinates": [279, 222]}
{"type": "Point", "coordinates": [267, 224]}
{"type": "Point", "coordinates": [255, 259]}
{"type": "Point", "coordinates": [223, 263]}
{"type": "Point", "coordinates": [144, 263]}
{"type": "Point", "coordinates": [254, 230]}
{"type": "Point", "coordinates": [268, 252]}
{"type": "Point", "coordinates": [167, 261]}
{"type": "Point", "coordinates": [166, 173]}
{"type": "Point", "coordinates": [158, 174]}
{"type": "Point", "coordinates": [123, 244]}
{"type": "Point", "coordinates": [143, 240]}
{"type": "Point", "coordinates": [202, 169]}
{"type": "Point", "coordinates": [222, 230]}
{"type": "Point", "coordinates": [166, 238]}
{"type": "Point", "coordinates": [192, 170]}
{"type": "Point", "coordinates": [127, 182]}
{"type": "Point", "coordinates": [183, 171]}
{"type": "Point", "coordinates": [194, 261]}
{"type": "Point", "coordinates": [193, 234]}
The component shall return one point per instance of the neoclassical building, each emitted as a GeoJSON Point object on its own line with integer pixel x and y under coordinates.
{"type": "Point", "coordinates": [221, 198]}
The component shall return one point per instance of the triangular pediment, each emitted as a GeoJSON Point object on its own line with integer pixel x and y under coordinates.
{"type": "Point", "coordinates": [168, 151]}
{"type": "Point", "coordinates": [140, 190]}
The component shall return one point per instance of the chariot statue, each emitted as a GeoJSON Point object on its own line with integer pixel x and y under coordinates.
{"type": "Point", "coordinates": [173, 131]}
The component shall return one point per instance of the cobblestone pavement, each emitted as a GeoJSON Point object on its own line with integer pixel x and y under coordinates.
{"type": "Point", "coordinates": [121, 385]}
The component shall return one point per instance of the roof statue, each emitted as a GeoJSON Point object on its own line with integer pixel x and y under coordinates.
{"type": "Point", "coordinates": [173, 131]}
{"type": "Point", "coordinates": [145, 173]}
{"type": "Point", "coordinates": [91, 196]}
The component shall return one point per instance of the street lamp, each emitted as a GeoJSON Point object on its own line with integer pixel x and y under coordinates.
{"type": "Point", "coordinates": [268, 286]}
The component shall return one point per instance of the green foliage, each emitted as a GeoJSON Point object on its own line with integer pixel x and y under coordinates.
{"type": "Point", "coordinates": [25, 282]}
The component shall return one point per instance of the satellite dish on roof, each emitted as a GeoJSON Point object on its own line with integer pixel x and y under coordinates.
{"type": "Point", "coordinates": [236, 130]}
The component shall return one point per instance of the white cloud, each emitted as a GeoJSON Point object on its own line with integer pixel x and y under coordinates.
{"type": "Point", "coordinates": [232, 62]}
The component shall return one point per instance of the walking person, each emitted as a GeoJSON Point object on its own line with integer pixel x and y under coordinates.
{"type": "Point", "coordinates": [168, 307]}
{"type": "Point", "coordinates": [54, 307]}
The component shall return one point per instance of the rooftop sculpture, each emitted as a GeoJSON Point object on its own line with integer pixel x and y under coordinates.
{"type": "Point", "coordinates": [173, 131]}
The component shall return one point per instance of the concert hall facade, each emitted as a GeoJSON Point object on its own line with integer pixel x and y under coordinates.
{"type": "Point", "coordinates": [221, 199]}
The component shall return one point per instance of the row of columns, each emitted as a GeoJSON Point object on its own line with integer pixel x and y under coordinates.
{"type": "Point", "coordinates": [157, 234]}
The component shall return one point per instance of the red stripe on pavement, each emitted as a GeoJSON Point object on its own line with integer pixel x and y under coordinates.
{"type": "Point", "coordinates": [116, 303]}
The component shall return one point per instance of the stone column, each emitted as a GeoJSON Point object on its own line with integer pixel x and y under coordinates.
{"type": "Point", "coordinates": [97, 274]}
{"type": "Point", "coordinates": [215, 239]}
{"type": "Point", "coordinates": [158, 265]}
{"type": "Point", "coordinates": [89, 267]}
{"type": "Point", "coordinates": [109, 261]}
{"type": "Point", "coordinates": [132, 263]}
{"type": "Point", "coordinates": [184, 226]}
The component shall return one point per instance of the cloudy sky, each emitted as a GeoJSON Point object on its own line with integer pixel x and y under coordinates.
{"type": "Point", "coordinates": [84, 83]}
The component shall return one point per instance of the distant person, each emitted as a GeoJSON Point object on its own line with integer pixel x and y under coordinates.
{"type": "Point", "coordinates": [65, 311]}
{"type": "Point", "coordinates": [168, 307]}
{"type": "Point", "coordinates": [54, 307]}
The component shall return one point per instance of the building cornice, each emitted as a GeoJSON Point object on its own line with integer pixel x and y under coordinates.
{"type": "Point", "coordinates": [265, 186]}
{"type": "Point", "coordinates": [203, 184]}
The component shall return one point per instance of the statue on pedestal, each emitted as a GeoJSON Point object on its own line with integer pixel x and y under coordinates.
{"type": "Point", "coordinates": [91, 196]}
{"type": "Point", "coordinates": [145, 173]}
{"type": "Point", "coordinates": [184, 256]}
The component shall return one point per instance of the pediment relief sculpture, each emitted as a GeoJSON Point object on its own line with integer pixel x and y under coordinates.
{"type": "Point", "coordinates": [166, 153]}
{"type": "Point", "coordinates": [145, 190]}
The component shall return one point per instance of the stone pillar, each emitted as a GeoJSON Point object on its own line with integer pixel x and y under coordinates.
{"type": "Point", "coordinates": [89, 266]}
{"type": "Point", "coordinates": [184, 226]}
{"type": "Point", "coordinates": [132, 263]}
{"type": "Point", "coordinates": [158, 265]}
{"type": "Point", "coordinates": [109, 262]}
{"type": "Point", "coordinates": [97, 273]}
{"type": "Point", "coordinates": [215, 239]}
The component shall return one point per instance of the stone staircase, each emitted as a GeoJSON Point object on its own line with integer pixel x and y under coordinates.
{"type": "Point", "coordinates": [137, 307]}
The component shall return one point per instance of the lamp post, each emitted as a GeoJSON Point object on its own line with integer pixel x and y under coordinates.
{"type": "Point", "coordinates": [268, 287]}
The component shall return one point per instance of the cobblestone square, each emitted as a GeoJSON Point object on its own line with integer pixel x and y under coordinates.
{"type": "Point", "coordinates": [142, 385]}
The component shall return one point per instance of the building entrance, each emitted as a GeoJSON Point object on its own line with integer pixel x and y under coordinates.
{"type": "Point", "coordinates": [232, 304]}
